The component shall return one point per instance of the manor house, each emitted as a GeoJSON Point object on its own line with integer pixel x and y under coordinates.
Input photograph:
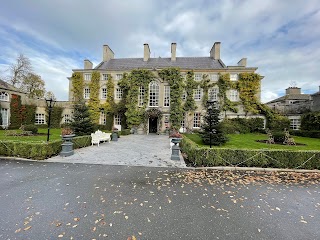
{"type": "Point", "coordinates": [159, 90]}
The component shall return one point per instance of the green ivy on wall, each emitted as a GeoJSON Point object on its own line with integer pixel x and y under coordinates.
{"type": "Point", "coordinates": [29, 114]}
{"type": "Point", "coordinates": [225, 84]}
{"type": "Point", "coordinates": [94, 102]}
{"type": "Point", "coordinates": [15, 112]}
{"type": "Point", "coordinates": [136, 79]}
{"type": "Point", "coordinates": [77, 86]}
{"type": "Point", "coordinates": [205, 84]}
{"type": "Point", "coordinates": [191, 84]}
{"type": "Point", "coordinates": [56, 116]}
{"type": "Point", "coordinates": [109, 105]}
{"type": "Point", "coordinates": [175, 80]}
{"type": "Point", "coordinates": [248, 86]}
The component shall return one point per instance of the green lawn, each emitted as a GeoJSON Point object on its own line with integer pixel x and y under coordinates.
{"type": "Point", "coordinates": [54, 135]}
{"type": "Point", "coordinates": [247, 141]}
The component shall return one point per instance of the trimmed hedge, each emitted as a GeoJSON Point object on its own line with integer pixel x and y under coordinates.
{"type": "Point", "coordinates": [305, 133]}
{"type": "Point", "coordinates": [30, 150]}
{"type": "Point", "coordinates": [81, 141]}
{"type": "Point", "coordinates": [39, 150]}
{"type": "Point", "coordinates": [264, 158]}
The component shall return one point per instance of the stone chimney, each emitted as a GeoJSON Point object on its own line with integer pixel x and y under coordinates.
{"type": "Point", "coordinates": [173, 52]}
{"type": "Point", "coordinates": [146, 52]}
{"type": "Point", "coordinates": [242, 62]}
{"type": "Point", "coordinates": [293, 90]}
{"type": "Point", "coordinates": [107, 53]}
{"type": "Point", "coordinates": [215, 51]}
{"type": "Point", "coordinates": [87, 64]}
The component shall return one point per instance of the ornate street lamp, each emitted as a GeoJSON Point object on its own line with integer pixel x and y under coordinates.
{"type": "Point", "coordinates": [50, 104]}
{"type": "Point", "coordinates": [210, 105]}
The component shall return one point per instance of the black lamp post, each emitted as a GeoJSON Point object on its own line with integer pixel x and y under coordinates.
{"type": "Point", "coordinates": [211, 104]}
{"type": "Point", "coordinates": [50, 104]}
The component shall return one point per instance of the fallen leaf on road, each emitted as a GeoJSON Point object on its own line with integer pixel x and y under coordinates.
{"type": "Point", "coordinates": [27, 228]}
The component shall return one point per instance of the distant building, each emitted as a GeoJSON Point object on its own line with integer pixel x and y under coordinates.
{"type": "Point", "coordinates": [315, 107]}
{"type": "Point", "coordinates": [6, 92]}
{"type": "Point", "coordinates": [293, 104]}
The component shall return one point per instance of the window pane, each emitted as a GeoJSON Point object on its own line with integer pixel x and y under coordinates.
{"type": "Point", "coordinates": [117, 119]}
{"type": "Point", "coordinates": [166, 102]}
{"type": "Point", "coordinates": [103, 93]}
{"type": "Point", "coordinates": [103, 119]}
{"type": "Point", "coordinates": [213, 94]}
{"type": "Point", "coordinates": [87, 76]}
{"type": "Point", "coordinates": [86, 93]}
{"type": "Point", "coordinates": [153, 94]}
{"type": "Point", "coordinates": [118, 93]}
{"type": "Point", "coordinates": [196, 120]}
{"type": "Point", "coordinates": [4, 96]}
{"type": "Point", "coordinates": [198, 77]}
{"type": "Point", "coordinates": [197, 94]}
{"type": "Point", "coordinates": [40, 119]}
{"type": "Point", "coordinates": [141, 96]}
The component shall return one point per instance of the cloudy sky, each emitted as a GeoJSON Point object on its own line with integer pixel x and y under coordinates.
{"type": "Point", "coordinates": [281, 38]}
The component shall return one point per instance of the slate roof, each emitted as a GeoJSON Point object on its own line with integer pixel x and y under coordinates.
{"type": "Point", "coordinates": [6, 86]}
{"type": "Point", "coordinates": [201, 63]}
{"type": "Point", "coordinates": [299, 97]}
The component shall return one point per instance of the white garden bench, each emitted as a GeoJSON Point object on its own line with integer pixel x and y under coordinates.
{"type": "Point", "coordinates": [99, 136]}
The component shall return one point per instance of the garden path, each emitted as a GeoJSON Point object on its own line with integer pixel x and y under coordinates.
{"type": "Point", "coordinates": [132, 150]}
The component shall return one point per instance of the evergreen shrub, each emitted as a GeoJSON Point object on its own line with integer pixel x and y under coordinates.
{"type": "Point", "coordinates": [305, 133]}
{"type": "Point", "coordinates": [32, 128]}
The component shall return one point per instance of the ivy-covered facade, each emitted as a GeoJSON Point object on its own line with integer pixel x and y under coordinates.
{"type": "Point", "coordinates": [152, 95]}
{"type": "Point", "coordinates": [17, 109]}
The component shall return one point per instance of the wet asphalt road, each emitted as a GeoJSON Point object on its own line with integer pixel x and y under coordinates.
{"type": "Point", "coordinates": [78, 201]}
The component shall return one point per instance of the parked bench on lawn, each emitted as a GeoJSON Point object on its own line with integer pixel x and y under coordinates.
{"type": "Point", "coordinates": [99, 136]}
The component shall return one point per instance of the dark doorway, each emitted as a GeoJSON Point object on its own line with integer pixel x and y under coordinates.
{"type": "Point", "coordinates": [153, 123]}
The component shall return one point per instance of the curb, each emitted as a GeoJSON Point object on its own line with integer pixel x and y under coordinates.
{"type": "Point", "coordinates": [258, 169]}
{"type": "Point", "coordinates": [219, 168]}
{"type": "Point", "coordinates": [19, 159]}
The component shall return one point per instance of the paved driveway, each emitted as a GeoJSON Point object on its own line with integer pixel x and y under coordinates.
{"type": "Point", "coordinates": [86, 201]}
{"type": "Point", "coordinates": [132, 150]}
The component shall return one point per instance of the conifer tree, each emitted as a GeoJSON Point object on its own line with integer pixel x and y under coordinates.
{"type": "Point", "coordinates": [211, 126]}
{"type": "Point", "coordinates": [82, 124]}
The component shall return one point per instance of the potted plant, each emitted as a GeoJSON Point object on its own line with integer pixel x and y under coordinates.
{"type": "Point", "coordinates": [67, 145]}
{"type": "Point", "coordinates": [115, 134]}
{"type": "Point", "coordinates": [175, 136]}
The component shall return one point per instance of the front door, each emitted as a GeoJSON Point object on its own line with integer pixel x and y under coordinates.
{"type": "Point", "coordinates": [153, 123]}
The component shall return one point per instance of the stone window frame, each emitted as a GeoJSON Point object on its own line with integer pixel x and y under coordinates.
{"type": "Point", "coordinates": [142, 92]}
{"type": "Point", "coordinates": [40, 118]}
{"type": "Point", "coordinates": [166, 96]}
{"type": "Point", "coordinates": [295, 123]}
{"type": "Point", "coordinates": [4, 96]}
{"type": "Point", "coordinates": [197, 94]}
{"type": "Point", "coordinates": [196, 119]}
{"type": "Point", "coordinates": [87, 76]}
{"type": "Point", "coordinates": [213, 94]}
{"type": "Point", "coordinates": [86, 93]}
{"type": "Point", "coordinates": [103, 92]}
{"type": "Point", "coordinates": [118, 93]}
{"type": "Point", "coordinates": [234, 95]}
{"type": "Point", "coordinates": [154, 93]}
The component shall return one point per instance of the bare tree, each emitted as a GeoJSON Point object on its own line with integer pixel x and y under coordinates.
{"type": "Point", "coordinates": [33, 85]}
{"type": "Point", "coordinates": [50, 95]}
{"type": "Point", "coordinates": [19, 71]}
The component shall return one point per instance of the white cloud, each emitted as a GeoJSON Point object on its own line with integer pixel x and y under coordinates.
{"type": "Point", "coordinates": [278, 37]}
